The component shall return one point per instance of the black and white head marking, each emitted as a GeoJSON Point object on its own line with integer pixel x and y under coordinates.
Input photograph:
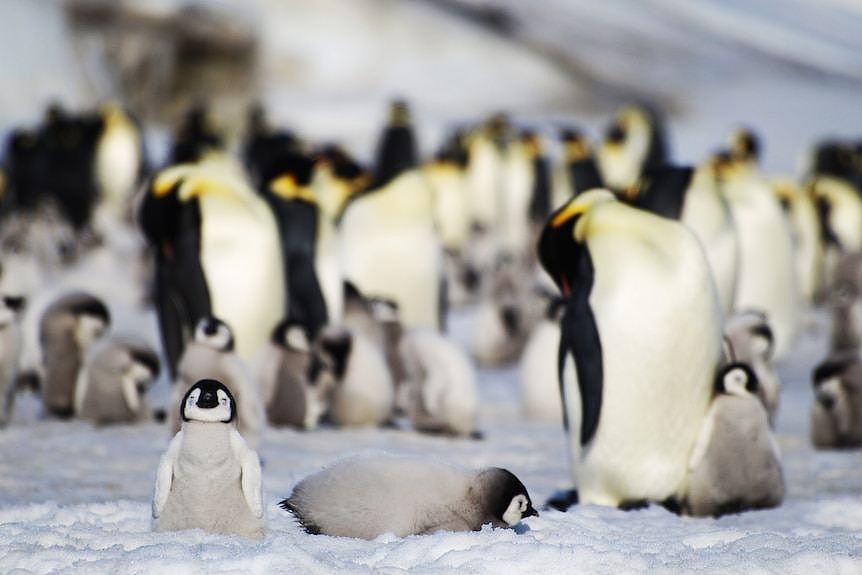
{"type": "Point", "coordinates": [291, 335]}
{"type": "Point", "coordinates": [509, 499]}
{"type": "Point", "coordinates": [208, 401]}
{"type": "Point", "coordinates": [736, 379]}
{"type": "Point", "coordinates": [214, 333]}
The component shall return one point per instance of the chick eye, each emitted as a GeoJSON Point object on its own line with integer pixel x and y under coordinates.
{"type": "Point", "coordinates": [224, 401]}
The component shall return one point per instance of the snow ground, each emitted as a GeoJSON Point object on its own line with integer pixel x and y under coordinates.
{"type": "Point", "coordinates": [76, 499]}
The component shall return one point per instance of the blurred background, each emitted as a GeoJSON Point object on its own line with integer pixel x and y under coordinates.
{"type": "Point", "coordinates": [792, 69]}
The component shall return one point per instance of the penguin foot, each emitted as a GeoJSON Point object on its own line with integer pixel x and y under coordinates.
{"type": "Point", "coordinates": [633, 504]}
{"type": "Point", "coordinates": [562, 500]}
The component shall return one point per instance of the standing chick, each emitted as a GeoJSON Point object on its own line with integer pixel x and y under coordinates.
{"type": "Point", "coordinates": [209, 478]}
{"type": "Point", "coordinates": [836, 415]}
{"type": "Point", "coordinates": [748, 339]}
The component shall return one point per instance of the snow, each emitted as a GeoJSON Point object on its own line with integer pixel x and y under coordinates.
{"type": "Point", "coordinates": [76, 499]}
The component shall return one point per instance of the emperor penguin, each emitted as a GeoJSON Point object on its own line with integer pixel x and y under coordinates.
{"type": "Point", "coordinates": [209, 478]}
{"type": "Point", "coordinates": [114, 381]}
{"type": "Point", "coordinates": [119, 159]}
{"type": "Point", "coordinates": [196, 136]}
{"type": "Point", "coordinates": [364, 394]}
{"type": "Point", "coordinates": [443, 394]}
{"type": "Point", "coordinates": [396, 150]}
{"type": "Point", "coordinates": [219, 253]}
{"type": "Point", "coordinates": [767, 277]}
{"type": "Point", "coordinates": [836, 413]}
{"type": "Point", "coordinates": [67, 329]}
{"type": "Point", "coordinates": [211, 355]}
{"type": "Point", "coordinates": [295, 387]}
{"type": "Point", "coordinates": [537, 369]}
{"type": "Point", "coordinates": [10, 348]}
{"type": "Point", "coordinates": [365, 496]}
{"type": "Point", "coordinates": [801, 212]}
{"type": "Point", "coordinates": [577, 171]}
{"type": "Point", "coordinates": [640, 342]}
{"type": "Point", "coordinates": [525, 193]}
{"type": "Point", "coordinates": [844, 299]}
{"type": "Point", "coordinates": [839, 210]}
{"type": "Point", "coordinates": [736, 463]}
{"type": "Point", "coordinates": [264, 145]}
{"type": "Point", "coordinates": [337, 178]}
{"type": "Point", "coordinates": [635, 141]}
{"type": "Point", "coordinates": [485, 148]}
{"type": "Point", "coordinates": [389, 244]}
{"type": "Point", "coordinates": [288, 191]}
{"type": "Point", "coordinates": [748, 339]}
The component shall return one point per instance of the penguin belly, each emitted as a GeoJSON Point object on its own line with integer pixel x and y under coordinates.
{"type": "Point", "coordinates": [767, 274]}
{"type": "Point", "coordinates": [118, 162]}
{"type": "Point", "coordinates": [451, 211]}
{"type": "Point", "coordinates": [707, 214]}
{"type": "Point", "coordinates": [366, 394]}
{"type": "Point", "coordinates": [517, 190]}
{"type": "Point", "coordinates": [241, 259]}
{"type": "Point", "coordinates": [540, 388]}
{"type": "Point", "coordinates": [483, 182]}
{"type": "Point", "coordinates": [206, 490]}
{"type": "Point", "coordinates": [658, 318]}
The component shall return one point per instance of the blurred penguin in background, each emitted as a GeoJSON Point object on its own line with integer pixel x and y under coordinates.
{"type": "Point", "coordinates": [836, 413]}
{"type": "Point", "coordinates": [537, 370]}
{"type": "Point", "coordinates": [633, 143]}
{"type": "Point", "coordinates": [10, 348]}
{"type": "Point", "coordinates": [576, 171]}
{"type": "Point", "coordinates": [264, 145]}
{"type": "Point", "coordinates": [525, 200]}
{"type": "Point", "coordinates": [390, 247]}
{"type": "Point", "coordinates": [218, 251]}
{"type": "Point", "coordinates": [767, 273]}
{"type": "Point", "coordinates": [114, 381]}
{"type": "Point", "coordinates": [195, 136]}
{"type": "Point", "coordinates": [844, 299]}
{"type": "Point", "coordinates": [288, 191]}
{"type": "Point", "coordinates": [119, 160]}
{"type": "Point", "coordinates": [748, 339]}
{"type": "Point", "coordinates": [839, 210]}
{"type": "Point", "coordinates": [485, 147]}
{"type": "Point", "coordinates": [801, 213]}
{"type": "Point", "coordinates": [69, 326]}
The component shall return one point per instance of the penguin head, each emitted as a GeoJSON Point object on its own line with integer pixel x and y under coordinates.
{"type": "Point", "coordinates": [215, 333]}
{"type": "Point", "coordinates": [745, 145]}
{"type": "Point", "coordinates": [334, 347]}
{"type": "Point", "coordinates": [576, 147]}
{"type": "Point", "coordinates": [562, 249]}
{"type": "Point", "coordinates": [836, 382]}
{"type": "Point", "coordinates": [139, 377]}
{"type": "Point", "coordinates": [506, 496]}
{"type": "Point", "coordinates": [10, 309]}
{"type": "Point", "coordinates": [399, 113]}
{"type": "Point", "coordinates": [208, 401]}
{"type": "Point", "coordinates": [93, 320]}
{"type": "Point", "coordinates": [755, 324]}
{"type": "Point", "coordinates": [291, 335]}
{"type": "Point", "coordinates": [293, 173]}
{"type": "Point", "coordinates": [531, 142]}
{"type": "Point", "coordinates": [736, 379]}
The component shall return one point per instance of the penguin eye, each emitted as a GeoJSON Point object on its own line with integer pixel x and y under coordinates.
{"type": "Point", "coordinates": [224, 401]}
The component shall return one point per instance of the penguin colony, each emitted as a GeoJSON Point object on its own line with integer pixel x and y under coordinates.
{"type": "Point", "coordinates": [645, 304]}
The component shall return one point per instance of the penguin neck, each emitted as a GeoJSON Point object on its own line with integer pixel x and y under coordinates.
{"type": "Point", "coordinates": [207, 442]}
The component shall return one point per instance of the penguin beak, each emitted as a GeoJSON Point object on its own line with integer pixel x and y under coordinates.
{"type": "Point", "coordinates": [207, 400]}
{"type": "Point", "coordinates": [530, 512]}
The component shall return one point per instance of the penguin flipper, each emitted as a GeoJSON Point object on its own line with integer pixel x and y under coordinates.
{"type": "Point", "coordinates": [580, 337]}
{"type": "Point", "coordinates": [250, 478]}
{"type": "Point", "coordinates": [165, 475]}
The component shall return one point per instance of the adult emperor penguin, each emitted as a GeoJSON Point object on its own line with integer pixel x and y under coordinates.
{"type": "Point", "coordinates": [634, 142]}
{"type": "Point", "coordinates": [364, 394]}
{"type": "Point", "coordinates": [525, 199]}
{"type": "Point", "coordinates": [295, 387]}
{"type": "Point", "coordinates": [396, 150]}
{"type": "Point", "coordinates": [209, 478]}
{"type": "Point", "coordinates": [264, 145]}
{"type": "Point", "coordinates": [640, 342]}
{"type": "Point", "coordinates": [537, 370]}
{"type": "Point", "coordinates": [736, 464]}
{"type": "Point", "coordinates": [10, 348]}
{"type": "Point", "coordinates": [839, 207]}
{"type": "Point", "coordinates": [748, 339]}
{"type": "Point", "coordinates": [836, 413]}
{"type": "Point", "coordinates": [114, 381]}
{"type": "Point", "coordinates": [767, 272]}
{"type": "Point", "coordinates": [119, 159]}
{"type": "Point", "coordinates": [801, 212]}
{"type": "Point", "coordinates": [211, 355]}
{"type": "Point", "coordinates": [368, 495]}
{"type": "Point", "coordinates": [196, 136]}
{"type": "Point", "coordinates": [443, 394]}
{"type": "Point", "coordinates": [67, 329]}
{"type": "Point", "coordinates": [218, 253]}
{"type": "Point", "coordinates": [485, 147]}
{"type": "Point", "coordinates": [389, 245]}
{"type": "Point", "coordinates": [576, 172]}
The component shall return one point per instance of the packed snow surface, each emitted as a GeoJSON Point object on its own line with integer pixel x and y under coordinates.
{"type": "Point", "coordinates": [74, 498]}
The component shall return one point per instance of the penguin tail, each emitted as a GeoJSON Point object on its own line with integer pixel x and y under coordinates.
{"type": "Point", "coordinates": [287, 506]}
{"type": "Point", "coordinates": [309, 527]}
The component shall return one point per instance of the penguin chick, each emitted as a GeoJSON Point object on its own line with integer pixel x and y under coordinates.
{"type": "Point", "coordinates": [10, 347]}
{"type": "Point", "coordinates": [735, 464]}
{"type": "Point", "coordinates": [845, 302]}
{"type": "Point", "coordinates": [364, 394]}
{"type": "Point", "coordinates": [540, 388]}
{"type": "Point", "coordinates": [114, 381]}
{"type": "Point", "coordinates": [501, 324]}
{"type": "Point", "coordinates": [836, 415]}
{"type": "Point", "coordinates": [443, 395]}
{"type": "Point", "coordinates": [209, 478]}
{"type": "Point", "coordinates": [211, 355]}
{"type": "Point", "coordinates": [369, 495]}
{"type": "Point", "coordinates": [295, 387]}
{"type": "Point", "coordinates": [749, 340]}
{"type": "Point", "coordinates": [67, 329]}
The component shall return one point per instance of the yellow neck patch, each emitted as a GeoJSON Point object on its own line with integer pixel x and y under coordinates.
{"type": "Point", "coordinates": [285, 187]}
